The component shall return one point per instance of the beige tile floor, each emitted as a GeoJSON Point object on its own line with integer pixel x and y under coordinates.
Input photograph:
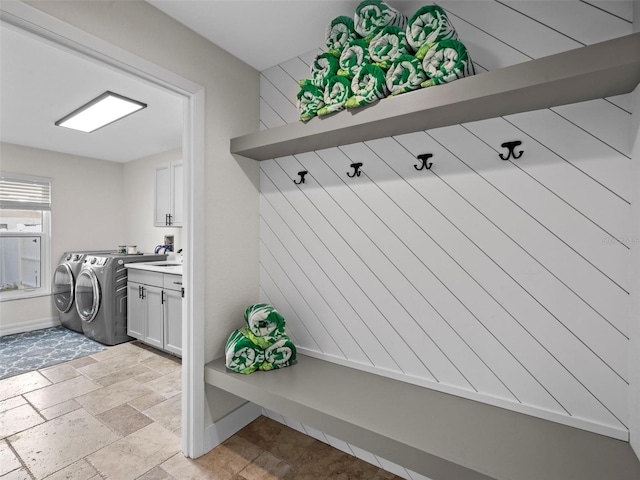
{"type": "Point", "coordinates": [116, 415]}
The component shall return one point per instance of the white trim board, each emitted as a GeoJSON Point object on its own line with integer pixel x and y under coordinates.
{"type": "Point", "coordinates": [29, 326]}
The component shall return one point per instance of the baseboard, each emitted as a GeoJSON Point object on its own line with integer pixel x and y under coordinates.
{"type": "Point", "coordinates": [29, 325]}
{"type": "Point", "coordinates": [218, 432]}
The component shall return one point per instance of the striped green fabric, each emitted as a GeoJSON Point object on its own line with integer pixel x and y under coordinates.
{"type": "Point", "coordinates": [367, 86]}
{"type": "Point", "coordinates": [445, 62]}
{"type": "Point", "coordinates": [336, 93]}
{"type": "Point", "coordinates": [279, 355]}
{"type": "Point", "coordinates": [241, 354]}
{"type": "Point", "coordinates": [406, 74]}
{"type": "Point", "coordinates": [310, 100]}
{"type": "Point", "coordinates": [264, 321]}
{"type": "Point", "coordinates": [339, 33]}
{"type": "Point", "coordinates": [389, 44]}
{"type": "Point", "coordinates": [323, 68]}
{"type": "Point", "coordinates": [428, 25]}
{"type": "Point", "coordinates": [354, 55]}
{"type": "Point", "coordinates": [371, 16]}
{"type": "Point", "coordinates": [261, 344]}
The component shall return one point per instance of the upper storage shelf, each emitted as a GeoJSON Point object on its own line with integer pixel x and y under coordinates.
{"type": "Point", "coordinates": [595, 71]}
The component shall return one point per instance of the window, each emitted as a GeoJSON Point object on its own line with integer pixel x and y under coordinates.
{"type": "Point", "coordinates": [25, 236]}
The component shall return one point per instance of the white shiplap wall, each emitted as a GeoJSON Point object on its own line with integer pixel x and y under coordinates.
{"type": "Point", "coordinates": [504, 282]}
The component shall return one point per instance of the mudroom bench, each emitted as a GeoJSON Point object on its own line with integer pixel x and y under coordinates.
{"type": "Point", "coordinates": [441, 436]}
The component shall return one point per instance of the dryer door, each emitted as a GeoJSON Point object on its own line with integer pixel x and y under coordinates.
{"type": "Point", "coordinates": [87, 295]}
{"type": "Point", "coordinates": [63, 288]}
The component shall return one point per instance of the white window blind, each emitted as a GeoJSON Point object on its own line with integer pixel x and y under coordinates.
{"type": "Point", "coordinates": [22, 192]}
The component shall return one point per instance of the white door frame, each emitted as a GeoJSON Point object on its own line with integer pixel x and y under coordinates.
{"type": "Point", "coordinates": [17, 15]}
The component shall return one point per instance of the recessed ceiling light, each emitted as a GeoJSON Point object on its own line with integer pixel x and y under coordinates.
{"type": "Point", "coordinates": [101, 111]}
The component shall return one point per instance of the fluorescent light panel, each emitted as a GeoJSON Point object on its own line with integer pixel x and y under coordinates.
{"type": "Point", "coordinates": [101, 111]}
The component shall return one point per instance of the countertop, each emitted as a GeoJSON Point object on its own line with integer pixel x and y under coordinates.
{"type": "Point", "coordinates": [165, 266]}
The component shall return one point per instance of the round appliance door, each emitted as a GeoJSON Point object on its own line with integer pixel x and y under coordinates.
{"type": "Point", "coordinates": [87, 295]}
{"type": "Point", "coordinates": [63, 288]}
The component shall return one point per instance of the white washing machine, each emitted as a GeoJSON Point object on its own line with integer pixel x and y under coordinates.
{"type": "Point", "coordinates": [64, 284]}
{"type": "Point", "coordinates": [101, 295]}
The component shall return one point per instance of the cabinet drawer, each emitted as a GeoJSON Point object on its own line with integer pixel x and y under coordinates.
{"type": "Point", "coordinates": [172, 282]}
{"type": "Point", "coordinates": [145, 277]}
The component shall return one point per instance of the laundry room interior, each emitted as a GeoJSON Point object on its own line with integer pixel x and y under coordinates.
{"type": "Point", "coordinates": [271, 270]}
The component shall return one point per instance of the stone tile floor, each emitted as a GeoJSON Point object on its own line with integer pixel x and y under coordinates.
{"type": "Point", "coordinates": [116, 414]}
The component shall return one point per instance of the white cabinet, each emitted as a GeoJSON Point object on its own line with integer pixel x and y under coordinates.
{"type": "Point", "coordinates": [154, 309]}
{"type": "Point", "coordinates": [168, 207]}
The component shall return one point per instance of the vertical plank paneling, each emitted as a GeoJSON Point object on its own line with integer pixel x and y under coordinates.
{"type": "Point", "coordinates": [504, 281]}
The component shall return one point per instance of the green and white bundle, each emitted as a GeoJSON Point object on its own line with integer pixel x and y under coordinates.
{"type": "Point", "coordinates": [428, 25]}
{"type": "Point", "coordinates": [354, 55]}
{"type": "Point", "coordinates": [389, 44]}
{"type": "Point", "coordinates": [241, 354]}
{"type": "Point", "coordinates": [281, 354]}
{"type": "Point", "coordinates": [367, 86]}
{"type": "Point", "coordinates": [323, 68]}
{"type": "Point", "coordinates": [339, 33]}
{"type": "Point", "coordinates": [445, 62]}
{"type": "Point", "coordinates": [264, 321]}
{"type": "Point", "coordinates": [261, 344]}
{"type": "Point", "coordinates": [336, 93]}
{"type": "Point", "coordinates": [371, 16]}
{"type": "Point", "coordinates": [406, 74]}
{"type": "Point", "coordinates": [310, 100]}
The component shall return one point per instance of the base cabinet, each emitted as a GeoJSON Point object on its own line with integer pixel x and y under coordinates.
{"type": "Point", "coordinates": [154, 306]}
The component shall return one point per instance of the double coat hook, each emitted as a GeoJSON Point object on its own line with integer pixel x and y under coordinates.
{"type": "Point", "coordinates": [356, 170]}
{"type": "Point", "coordinates": [302, 174]}
{"type": "Point", "coordinates": [424, 157]}
{"type": "Point", "coordinates": [512, 150]}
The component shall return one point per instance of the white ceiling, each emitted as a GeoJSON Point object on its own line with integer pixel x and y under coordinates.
{"type": "Point", "coordinates": [42, 83]}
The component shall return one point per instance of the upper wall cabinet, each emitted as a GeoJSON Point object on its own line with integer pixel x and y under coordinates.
{"type": "Point", "coordinates": [168, 202]}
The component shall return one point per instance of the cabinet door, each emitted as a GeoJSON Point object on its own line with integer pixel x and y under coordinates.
{"type": "Point", "coordinates": [162, 199]}
{"type": "Point", "coordinates": [173, 322]}
{"type": "Point", "coordinates": [177, 190]}
{"type": "Point", "coordinates": [136, 311]}
{"type": "Point", "coordinates": [155, 322]}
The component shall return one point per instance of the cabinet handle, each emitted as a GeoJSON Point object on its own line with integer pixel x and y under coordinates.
{"type": "Point", "coordinates": [162, 297]}
{"type": "Point", "coordinates": [143, 293]}
{"type": "Point", "coordinates": [139, 291]}
{"type": "Point", "coordinates": [170, 219]}
{"type": "Point", "coordinates": [177, 283]}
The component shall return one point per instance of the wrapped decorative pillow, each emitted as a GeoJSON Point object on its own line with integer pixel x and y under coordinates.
{"type": "Point", "coordinates": [445, 62]}
{"type": "Point", "coordinates": [339, 33]}
{"type": "Point", "coordinates": [367, 86]}
{"type": "Point", "coordinates": [371, 16]}
{"type": "Point", "coordinates": [354, 55]}
{"type": "Point", "coordinates": [428, 25]}
{"type": "Point", "coordinates": [389, 44]}
{"type": "Point", "coordinates": [336, 93]}
{"type": "Point", "coordinates": [406, 74]}
{"type": "Point", "coordinates": [310, 100]}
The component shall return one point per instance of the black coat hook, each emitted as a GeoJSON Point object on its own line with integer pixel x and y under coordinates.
{"type": "Point", "coordinates": [512, 150]}
{"type": "Point", "coordinates": [302, 174]}
{"type": "Point", "coordinates": [356, 170]}
{"type": "Point", "coordinates": [424, 157]}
